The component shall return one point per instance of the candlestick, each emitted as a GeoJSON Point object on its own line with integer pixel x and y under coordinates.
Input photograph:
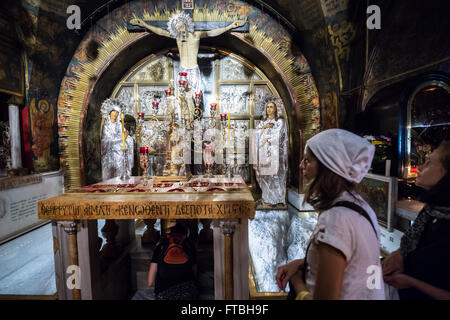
{"type": "Point", "coordinates": [229, 126]}
{"type": "Point", "coordinates": [123, 130]}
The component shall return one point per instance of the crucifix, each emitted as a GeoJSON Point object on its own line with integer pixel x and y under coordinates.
{"type": "Point", "coordinates": [187, 34]}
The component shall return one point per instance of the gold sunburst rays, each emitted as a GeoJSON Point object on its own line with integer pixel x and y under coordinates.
{"type": "Point", "coordinates": [77, 92]}
{"type": "Point", "coordinates": [205, 14]}
{"type": "Point", "coordinates": [120, 38]}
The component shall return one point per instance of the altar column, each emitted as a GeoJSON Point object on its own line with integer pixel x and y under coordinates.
{"type": "Point", "coordinates": [70, 227]}
{"type": "Point", "coordinates": [228, 231]}
{"type": "Point", "coordinates": [231, 261]}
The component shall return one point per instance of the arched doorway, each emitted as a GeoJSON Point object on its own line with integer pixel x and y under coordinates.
{"type": "Point", "coordinates": [89, 82]}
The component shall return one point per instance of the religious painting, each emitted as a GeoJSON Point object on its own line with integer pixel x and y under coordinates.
{"type": "Point", "coordinates": [234, 98]}
{"type": "Point", "coordinates": [329, 111]}
{"type": "Point", "coordinates": [380, 192]}
{"type": "Point", "coordinates": [11, 70]}
{"type": "Point", "coordinates": [232, 69]}
{"type": "Point", "coordinates": [261, 92]}
{"type": "Point", "coordinates": [5, 148]}
{"type": "Point", "coordinates": [42, 117]}
{"type": "Point", "coordinates": [156, 70]}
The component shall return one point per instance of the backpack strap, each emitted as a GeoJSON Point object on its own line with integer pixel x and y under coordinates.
{"type": "Point", "coordinates": [357, 208]}
{"type": "Point", "coordinates": [351, 206]}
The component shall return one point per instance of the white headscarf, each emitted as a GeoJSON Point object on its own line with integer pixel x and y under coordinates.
{"type": "Point", "coordinates": [343, 152]}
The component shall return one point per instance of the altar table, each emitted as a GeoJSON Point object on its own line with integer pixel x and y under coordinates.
{"type": "Point", "coordinates": [227, 200]}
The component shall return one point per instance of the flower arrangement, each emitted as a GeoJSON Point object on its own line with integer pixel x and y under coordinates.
{"type": "Point", "coordinates": [383, 149]}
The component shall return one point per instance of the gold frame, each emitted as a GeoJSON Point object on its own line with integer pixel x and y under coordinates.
{"type": "Point", "coordinates": [256, 295]}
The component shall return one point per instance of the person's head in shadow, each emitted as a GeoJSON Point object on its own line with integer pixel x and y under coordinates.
{"type": "Point", "coordinates": [178, 233]}
{"type": "Point", "coordinates": [434, 176]}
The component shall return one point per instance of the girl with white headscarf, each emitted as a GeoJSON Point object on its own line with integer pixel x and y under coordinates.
{"type": "Point", "coordinates": [342, 259]}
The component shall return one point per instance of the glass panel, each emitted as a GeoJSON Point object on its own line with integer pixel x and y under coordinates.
{"type": "Point", "coordinates": [234, 98]}
{"type": "Point", "coordinates": [149, 94]}
{"type": "Point", "coordinates": [240, 141]}
{"type": "Point", "coordinates": [156, 70]}
{"type": "Point", "coordinates": [430, 124]}
{"type": "Point", "coordinates": [261, 92]}
{"type": "Point", "coordinates": [208, 72]}
{"type": "Point", "coordinates": [126, 95]}
{"type": "Point", "coordinates": [232, 69]}
{"type": "Point", "coordinates": [256, 76]}
{"type": "Point", "coordinates": [154, 134]}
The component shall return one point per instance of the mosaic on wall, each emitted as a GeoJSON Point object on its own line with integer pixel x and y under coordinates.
{"type": "Point", "coordinates": [42, 32]}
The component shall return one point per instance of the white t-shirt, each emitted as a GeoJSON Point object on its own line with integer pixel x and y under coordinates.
{"type": "Point", "coordinates": [352, 234]}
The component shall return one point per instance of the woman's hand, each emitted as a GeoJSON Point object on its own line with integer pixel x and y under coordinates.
{"type": "Point", "coordinates": [393, 263]}
{"type": "Point", "coordinates": [285, 272]}
{"type": "Point", "coordinates": [297, 282]}
{"type": "Point", "coordinates": [399, 280]}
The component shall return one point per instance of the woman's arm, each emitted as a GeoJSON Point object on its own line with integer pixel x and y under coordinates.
{"type": "Point", "coordinates": [330, 273]}
{"type": "Point", "coordinates": [393, 263]}
{"type": "Point", "coordinates": [152, 274]}
{"type": "Point", "coordinates": [403, 281]}
{"type": "Point", "coordinates": [286, 271]}
{"type": "Point", "coordinates": [299, 285]}
{"type": "Point", "coordinates": [219, 31]}
{"type": "Point", "coordinates": [142, 23]}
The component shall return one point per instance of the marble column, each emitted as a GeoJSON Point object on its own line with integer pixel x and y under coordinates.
{"type": "Point", "coordinates": [228, 227]}
{"type": "Point", "coordinates": [70, 227]}
{"type": "Point", "coordinates": [14, 129]}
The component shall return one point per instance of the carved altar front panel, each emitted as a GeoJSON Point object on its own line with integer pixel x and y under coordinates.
{"type": "Point", "coordinates": [199, 198]}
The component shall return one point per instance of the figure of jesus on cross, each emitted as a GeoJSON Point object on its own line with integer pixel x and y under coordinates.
{"type": "Point", "coordinates": [181, 28]}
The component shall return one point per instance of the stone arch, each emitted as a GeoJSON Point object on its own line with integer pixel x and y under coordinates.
{"type": "Point", "coordinates": [84, 77]}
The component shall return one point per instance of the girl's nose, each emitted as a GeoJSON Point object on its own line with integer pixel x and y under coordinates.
{"type": "Point", "coordinates": [302, 164]}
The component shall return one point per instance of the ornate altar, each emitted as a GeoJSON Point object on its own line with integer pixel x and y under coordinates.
{"type": "Point", "coordinates": [226, 200]}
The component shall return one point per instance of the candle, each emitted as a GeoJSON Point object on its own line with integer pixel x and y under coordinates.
{"type": "Point", "coordinates": [229, 126]}
{"type": "Point", "coordinates": [123, 131]}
